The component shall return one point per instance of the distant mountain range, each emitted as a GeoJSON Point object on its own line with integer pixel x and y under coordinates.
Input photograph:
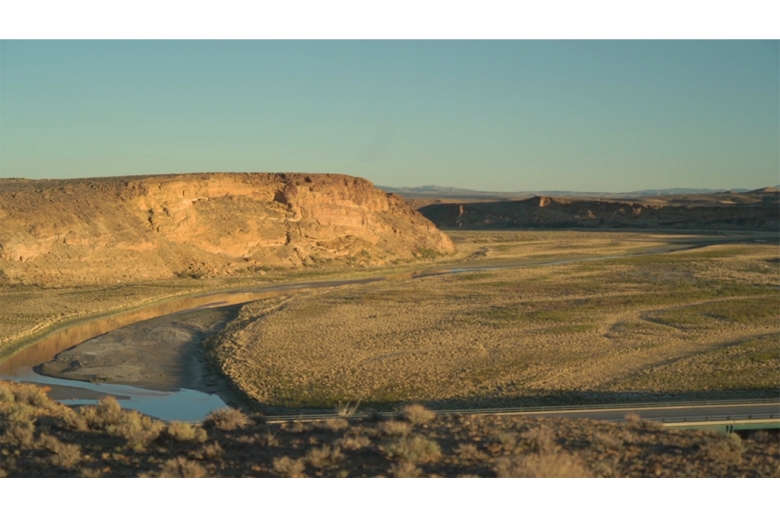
{"type": "Point", "coordinates": [437, 191]}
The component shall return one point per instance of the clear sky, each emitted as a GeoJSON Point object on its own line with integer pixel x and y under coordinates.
{"type": "Point", "coordinates": [489, 115]}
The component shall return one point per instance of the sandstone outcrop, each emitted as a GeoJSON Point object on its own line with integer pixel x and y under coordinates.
{"type": "Point", "coordinates": [756, 210]}
{"type": "Point", "coordinates": [124, 229]}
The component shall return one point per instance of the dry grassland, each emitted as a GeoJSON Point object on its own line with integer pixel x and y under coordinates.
{"type": "Point", "coordinates": [696, 324]}
{"type": "Point", "coordinates": [39, 437]}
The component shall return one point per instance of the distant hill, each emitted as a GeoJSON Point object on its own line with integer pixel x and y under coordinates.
{"type": "Point", "coordinates": [437, 191]}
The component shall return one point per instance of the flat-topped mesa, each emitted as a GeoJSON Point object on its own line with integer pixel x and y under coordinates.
{"type": "Point", "coordinates": [104, 230]}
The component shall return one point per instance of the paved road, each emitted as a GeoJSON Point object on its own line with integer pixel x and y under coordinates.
{"type": "Point", "coordinates": [674, 413]}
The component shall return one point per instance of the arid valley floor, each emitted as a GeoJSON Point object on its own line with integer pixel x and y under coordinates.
{"type": "Point", "coordinates": [493, 318]}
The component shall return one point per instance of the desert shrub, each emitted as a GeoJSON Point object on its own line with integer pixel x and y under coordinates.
{"type": "Point", "coordinates": [728, 448]}
{"type": "Point", "coordinates": [180, 467]}
{"type": "Point", "coordinates": [269, 439]}
{"type": "Point", "coordinates": [508, 440]}
{"type": "Point", "coordinates": [226, 419]}
{"type": "Point", "coordinates": [297, 427]}
{"type": "Point", "coordinates": [545, 465]}
{"type": "Point", "coordinates": [345, 409]}
{"type": "Point", "coordinates": [413, 449]}
{"type": "Point", "coordinates": [334, 425]}
{"type": "Point", "coordinates": [106, 413]}
{"type": "Point", "coordinates": [417, 414]}
{"type": "Point", "coordinates": [185, 432]}
{"type": "Point", "coordinates": [325, 456]}
{"type": "Point", "coordinates": [32, 395]}
{"type": "Point", "coordinates": [21, 415]}
{"type": "Point", "coordinates": [353, 442]}
{"type": "Point", "coordinates": [6, 394]}
{"type": "Point", "coordinates": [604, 441]}
{"type": "Point", "coordinates": [73, 419]}
{"type": "Point", "coordinates": [139, 430]}
{"type": "Point", "coordinates": [539, 440]}
{"type": "Point", "coordinates": [405, 470]}
{"type": "Point", "coordinates": [20, 435]}
{"type": "Point", "coordinates": [468, 451]}
{"type": "Point", "coordinates": [394, 427]}
{"type": "Point", "coordinates": [90, 473]}
{"type": "Point", "coordinates": [287, 467]}
{"type": "Point", "coordinates": [210, 451]}
{"type": "Point", "coordinates": [66, 455]}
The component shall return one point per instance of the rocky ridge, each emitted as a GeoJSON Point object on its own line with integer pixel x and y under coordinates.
{"type": "Point", "coordinates": [125, 229]}
{"type": "Point", "coordinates": [757, 210]}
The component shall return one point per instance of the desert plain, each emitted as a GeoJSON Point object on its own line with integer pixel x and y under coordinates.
{"type": "Point", "coordinates": [361, 303]}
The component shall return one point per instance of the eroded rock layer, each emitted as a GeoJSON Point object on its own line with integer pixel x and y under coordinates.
{"type": "Point", "coordinates": [108, 230]}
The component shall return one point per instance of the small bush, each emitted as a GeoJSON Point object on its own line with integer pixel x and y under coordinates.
{"type": "Point", "coordinates": [413, 449]}
{"type": "Point", "coordinates": [181, 467]}
{"type": "Point", "coordinates": [405, 470]}
{"type": "Point", "coordinates": [6, 395]}
{"type": "Point", "coordinates": [539, 440]}
{"type": "Point", "coordinates": [20, 435]}
{"type": "Point", "coordinates": [226, 419]}
{"type": "Point", "coordinates": [33, 395]}
{"type": "Point", "coordinates": [394, 428]}
{"type": "Point", "coordinates": [546, 465]}
{"type": "Point", "coordinates": [21, 415]}
{"type": "Point", "coordinates": [185, 432]}
{"type": "Point", "coordinates": [325, 456]}
{"type": "Point", "coordinates": [417, 414]}
{"type": "Point", "coordinates": [287, 467]}
{"type": "Point", "coordinates": [106, 413]}
{"type": "Point", "coordinates": [334, 425]}
{"type": "Point", "coordinates": [139, 430]}
{"type": "Point", "coordinates": [210, 451]}
{"type": "Point", "coordinates": [508, 440]}
{"type": "Point", "coordinates": [345, 409]}
{"type": "Point", "coordinates": [468, 451]}
{"type": "Point", "coordinates": [66, 455]}
{"type": "Point", "coordinates": [353, 442]}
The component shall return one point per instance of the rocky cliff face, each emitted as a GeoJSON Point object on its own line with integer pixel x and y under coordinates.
{"type": "Point", "coordinates": [104, 230]}
{"type": "Point", "coordinates": [756, 210]}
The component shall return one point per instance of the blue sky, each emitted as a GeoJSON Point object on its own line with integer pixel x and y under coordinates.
{"type": "Point", "coordinates": [490, 115]}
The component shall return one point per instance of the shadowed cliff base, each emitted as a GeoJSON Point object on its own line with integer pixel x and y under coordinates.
{"type": "Point", "coordinates": [757, 210]}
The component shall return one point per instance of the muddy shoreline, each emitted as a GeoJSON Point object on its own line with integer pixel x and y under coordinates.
{"type": "Point", "coordinates": [163, 354]}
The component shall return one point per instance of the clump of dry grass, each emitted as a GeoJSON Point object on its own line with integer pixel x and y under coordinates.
{"type": "Point", "coordinates": [210, 451]}
{"type": "Point", "coordinates": [226, 419]}
{"type": "Point", "coordinates": [106, 413]}
{"type": "Point", "coordinates": [405, 470]}
{"type": "Point", "coordinates": [324, 456]}
{"type": "Point", "coordinates": [414, 449]}
{"type": "Point", "coordinates": [181, 467]}
{"type": "Point", "coordinates": [545, 465]}
{"type": "Point", "coordinates": [393, 427]}
{"type": "Point", "coordinates": [468, 451]}
{"type": "Point", "coordinates": [345, 409]}
{"type": "Point", "coordinates": [139, 430]}
{"type": "Point", "coordinates": [65, 455]}
{"type": "Point", "coordinates": [287, 467]}
{"type": "Point", "coordinates": [334, 425]}
{"type": "Point", "coordinates": [417, 414]}
{"type": "Point", "coordinates": [606, 441]}
{"type": "Point", "coordinates": [353, 442]}
{"type": "Point", "coordinates": [180, 431]}
{"type": "Point", "coordinates": [539, 440]}
{"type": "Point", "coordinates": [508, 440]}
{"type": "Point", "coordinates": [6, 394]}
